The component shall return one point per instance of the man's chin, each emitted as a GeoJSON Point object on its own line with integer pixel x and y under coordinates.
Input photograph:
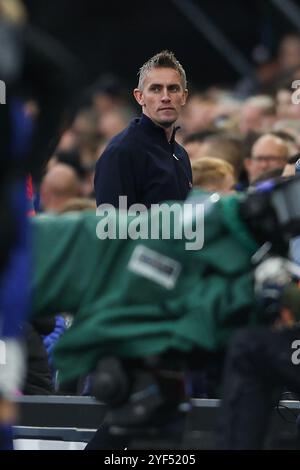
{"type": "Point", "coordinates": [166, 125]}
{"type": "Point", "coordinates": [167, 122]}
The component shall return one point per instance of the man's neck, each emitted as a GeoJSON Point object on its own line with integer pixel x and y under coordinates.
{"type": "Point", "coordinates": [169, 131]}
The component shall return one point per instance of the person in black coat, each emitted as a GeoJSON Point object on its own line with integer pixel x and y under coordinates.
{"type": "Point", "coordinates": [144, 162]}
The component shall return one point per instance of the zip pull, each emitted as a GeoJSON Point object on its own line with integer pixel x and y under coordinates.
{"type": "Point", "coordinates": [176, 158]}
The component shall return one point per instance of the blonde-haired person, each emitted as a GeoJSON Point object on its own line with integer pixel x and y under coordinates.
{"type": "Point", "coordinates": [213, 174]}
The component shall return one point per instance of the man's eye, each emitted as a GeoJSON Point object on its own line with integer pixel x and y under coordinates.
{"type": "Point", "coordinates": [155, 88]}
{"type": "Point", "coordinates": [174, 88]}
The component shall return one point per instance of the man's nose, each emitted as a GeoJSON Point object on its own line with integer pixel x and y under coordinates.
{"type": "Point", "coordinates": [165, 95]}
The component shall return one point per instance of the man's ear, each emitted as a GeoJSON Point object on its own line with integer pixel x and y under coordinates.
{"type": "Point", "coordinates": [185, 95]}
{"type": "Point", "coordinates": [138, 94]}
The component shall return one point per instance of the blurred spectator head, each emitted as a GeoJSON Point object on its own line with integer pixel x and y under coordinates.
{"type": "Point", "coordinates": [213, 174]}
{"type": "Point", "coordinates": [284, 104]}
{"type": "Point", "coordinates": [289, 52]}
{"type": "Point", "coordinates": [257, 114]}
{"type": "Point", "coordinates": [85, 127]}
{"type": "Point", "coordinates": [87, 135]}
{"type": "Point", "coordinates": [268, 153]}
{"type": "Point", "coordinates": [113, 122]}
{"type": "Point", "coordinates": [289, 126]}
{"type": "Point", "coordinates": [193, 142]}
{"type": "Point", "coordinates": [289, 140]}
{"type": "Point", "coordinates": [226, 147]}
{"type": "Point", "coordinates": [286, 107]}
{"type": "Point", "coordinates": [85, 174]}
{"type": "Point", "coordinates": [198, 114]}
{"type": "Point", "coordinates": [59, 184]}
{"type": "Point", "coordinates": [71, 158]}
{"type": "Point", "coordinates": [106, 93]}
{"type": "Point", "coordinates": [226, 113]}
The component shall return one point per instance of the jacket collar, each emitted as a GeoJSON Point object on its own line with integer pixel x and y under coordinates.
{"type": "Point", "coordinates": [147, 124]}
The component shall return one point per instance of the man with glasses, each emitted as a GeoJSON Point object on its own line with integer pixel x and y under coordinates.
{"type": "Point", "coordinates": [268, 153]}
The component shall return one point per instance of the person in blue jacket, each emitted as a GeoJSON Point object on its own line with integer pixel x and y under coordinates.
{"type": "Point", "coordinates": [144, 162]}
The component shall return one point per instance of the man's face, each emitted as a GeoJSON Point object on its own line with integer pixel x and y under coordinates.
{"type": "Point", "coordinates": [268, 153]}
{"type": "Point", "coordinates": [162, 96]}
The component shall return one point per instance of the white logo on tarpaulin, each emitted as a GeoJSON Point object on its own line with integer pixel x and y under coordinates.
{"type": "Point", "coordinates": [296, 354]}
{"type": "Point", "coordinates": [2, 92]}
{"type": "Point", "coordinates": [2, 353]}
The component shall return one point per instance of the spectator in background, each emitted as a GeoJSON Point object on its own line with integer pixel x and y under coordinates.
{"type": "Point", "coordinates": [193, 143]}
{"type": "Point", "coordinates": [289, 126]}
{"type": "Point", "coordinates": [84, 174]}
{"type": "Point", "coordinates": [226, 147]}
{"type": "Point", "coordinates": [58, 185]}
{"type": "Point", "coordinates": [113, 122]}
{"type": "Point", "coordinates": [87, 136]}
{"type": "Point", "coordinates": [106, 94]}
{"type": "Point", "coordinates": [284, 103]}
{"type": "Point", "coordinates": [144, 162]}
{"type": "Point", "coordinates": [289, 140]}
{"type": "Point", "coordinates": [213, 174]}
{"type": "Point", "coordinates": [198, 114]}
{"type": "Point", "coordinates": [268, 153]}
{"type": "Point", "coordinates": [289, 53]}
{"type": "Point", "coordinates": [258, 114]}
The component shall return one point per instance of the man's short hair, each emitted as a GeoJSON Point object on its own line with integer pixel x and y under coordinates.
{"type": "Point", "coordinates": [165, 59]}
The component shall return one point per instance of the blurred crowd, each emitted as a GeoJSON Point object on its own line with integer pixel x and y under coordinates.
{"type": "Point", "coordinates": [235, 137]}
{"type": "Point", "coordinates": [254, 134]}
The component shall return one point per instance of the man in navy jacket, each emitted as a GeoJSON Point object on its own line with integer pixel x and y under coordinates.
{"type": "Point", "coordinates": [144, 162]}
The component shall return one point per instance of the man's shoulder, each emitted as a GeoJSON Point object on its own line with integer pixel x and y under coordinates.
{"type": "Point", "coordinates": [126, 142]}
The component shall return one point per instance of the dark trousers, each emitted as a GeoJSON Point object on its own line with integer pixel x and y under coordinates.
{"type": "Point", "coordinates": [258, 366]}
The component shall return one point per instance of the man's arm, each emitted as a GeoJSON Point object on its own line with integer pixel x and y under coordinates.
{"type": "Point", "coordinates": [116, 175]}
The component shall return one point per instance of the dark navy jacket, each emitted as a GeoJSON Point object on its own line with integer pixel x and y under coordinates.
{"type": "Point", "coordinates": [141, 164]}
